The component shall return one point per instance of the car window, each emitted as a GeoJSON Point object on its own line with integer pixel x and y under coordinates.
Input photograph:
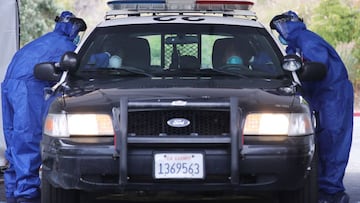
{"type": "Point", "coordinates": [163, 48]}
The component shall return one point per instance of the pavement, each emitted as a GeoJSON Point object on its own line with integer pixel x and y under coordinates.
{"type": "Point", "coordinates": [352, 175]}
{"type": "Point", "coordinates": [351, 179]}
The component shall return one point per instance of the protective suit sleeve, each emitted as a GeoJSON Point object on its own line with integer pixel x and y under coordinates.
{"type": "Point", "coordinates": [313, 49]}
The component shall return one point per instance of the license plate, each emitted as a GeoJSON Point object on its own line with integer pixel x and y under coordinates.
{"type": "Point", "coordinates": [179, 166]}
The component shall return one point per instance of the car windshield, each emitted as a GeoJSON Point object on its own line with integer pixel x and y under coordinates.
{"type": "Point", "coordinates": [160, 50]}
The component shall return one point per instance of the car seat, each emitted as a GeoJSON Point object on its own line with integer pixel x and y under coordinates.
{"type": "Point", "coordinates": [223, 44]}
{"type": "Point", "coordinates": [136, 53]}
{"type": "Point", "coordinates": [189, 62]}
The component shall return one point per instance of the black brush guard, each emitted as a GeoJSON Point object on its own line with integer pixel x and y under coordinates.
{"type": "Point", "coordinates": [120, 122]}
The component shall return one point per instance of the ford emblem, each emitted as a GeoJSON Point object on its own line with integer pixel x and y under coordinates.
{"type": "Point", "coordinates": [178, 122]}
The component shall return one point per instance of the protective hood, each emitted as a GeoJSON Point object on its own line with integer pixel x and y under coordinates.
{"type": "Point", "coordinates": [69, 25]}
{"type": "Point", "coordinates": [288, 25]}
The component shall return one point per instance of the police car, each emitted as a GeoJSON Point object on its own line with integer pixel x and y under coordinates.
{"type": "Point", "coordinates": [178, 99]}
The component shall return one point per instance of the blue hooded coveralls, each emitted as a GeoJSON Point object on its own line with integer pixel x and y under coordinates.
{"type": "Point", "coordinates": [22, 108]}
{"type": "Point", "coordinates": [332, 98]}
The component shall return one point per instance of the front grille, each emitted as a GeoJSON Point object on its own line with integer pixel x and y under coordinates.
{"type": "Point", "coordinates": [202, 122]}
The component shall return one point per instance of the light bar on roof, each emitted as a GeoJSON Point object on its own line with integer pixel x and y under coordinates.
{"type": "Point", "coordinates": [223, 5]}
{"type": "Point", "coordinates": [180, 5]}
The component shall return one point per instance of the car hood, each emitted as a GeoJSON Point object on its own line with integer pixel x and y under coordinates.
{"type": "Point", "coordinates": [251, 99]}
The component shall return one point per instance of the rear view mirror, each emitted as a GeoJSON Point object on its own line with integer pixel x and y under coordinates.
{"type": "Point", "coordinates": [182, 39]}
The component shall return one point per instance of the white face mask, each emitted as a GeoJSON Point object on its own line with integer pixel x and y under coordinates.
{"type": "Point", "coordinates": [115, 61]}
{"type": "Point", "coordinates": [282, 40]}
{"type": "Point", "coordinates": [76, 41]}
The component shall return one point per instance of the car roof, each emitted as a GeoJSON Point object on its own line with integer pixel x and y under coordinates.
{"type": "Point", "coordinates": [179, 18]}
{"type": "Point", "coordinates": [243, 17]}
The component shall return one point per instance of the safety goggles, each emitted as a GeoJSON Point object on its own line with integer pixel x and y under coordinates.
{"type": "Point", "coordinates": [65, 19]}
{"type": "Point", "coordinates": [78, 22]}
{"type": "Point", "coordinates": [280, 19]}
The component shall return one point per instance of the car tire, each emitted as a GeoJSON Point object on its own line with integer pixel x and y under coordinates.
{"type": "Point", "coordinates": [307, 194]}
{"type": "Point", "coordinates": [51, 194]}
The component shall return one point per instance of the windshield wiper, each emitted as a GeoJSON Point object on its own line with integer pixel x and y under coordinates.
{"type": "Point", "coordinates": [118, 71]}
{"type": "Point", "coordinates": [223, 72]}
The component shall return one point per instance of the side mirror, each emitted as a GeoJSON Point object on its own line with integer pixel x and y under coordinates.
{"type": "Point", "coordinates": [69, 62]}
{"type": "Point", "coordinates": [312, 71]}
{"type": "Point", "coordinates": [47, 72]}
{"type": "Point", "coordinates": [291, 62]}
{"type": "Point", "coordinates": [306, 71]}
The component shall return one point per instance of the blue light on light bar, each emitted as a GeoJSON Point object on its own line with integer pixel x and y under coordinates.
{"type": "Point", "coordinates": [137, 4]}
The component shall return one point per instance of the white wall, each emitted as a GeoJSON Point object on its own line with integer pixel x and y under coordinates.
{"type": "Point", "coordinates": [9, 41]}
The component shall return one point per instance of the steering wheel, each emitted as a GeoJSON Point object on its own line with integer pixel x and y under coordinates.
{"type": "Point", "coordinates": [233, 67]}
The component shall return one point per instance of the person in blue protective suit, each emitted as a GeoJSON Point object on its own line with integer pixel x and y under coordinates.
{"type": "Point", "coordinates": [332, 98]}
{"type": "Point", "coordinates": [104, 60]}
{"type": "Point", "coordinates": [262, 62]}
{"type": "Point", "coordinates": [110, 56]}
{"type": "Point", "coordinates": [99, 60]}
{"type": "Point", "coordinates": [22, 107]}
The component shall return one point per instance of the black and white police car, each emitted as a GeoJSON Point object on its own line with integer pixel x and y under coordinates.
{"type": "Point", "coordinates": [178, 99]}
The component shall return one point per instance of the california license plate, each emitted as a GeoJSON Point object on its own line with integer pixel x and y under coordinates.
{"type": "Point", "coordinates": [179, 166]}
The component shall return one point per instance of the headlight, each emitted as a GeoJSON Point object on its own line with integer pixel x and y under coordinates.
{"type": "Point", "coordinates": [291, 124]}
{"type": "Point", "coordinates": [65, 125]}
